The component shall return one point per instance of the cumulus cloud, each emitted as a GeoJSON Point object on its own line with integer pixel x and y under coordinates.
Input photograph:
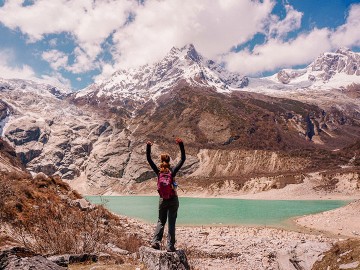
{"type": "Point", "coordinates": [213, 26]}
{"type": "Point", "coordinates": [348, 35]}
{"type": "Point", "coordinates": [138, 32]}
{"type": "Point", "coordinates": [280, 28]}
{"type": "Point", "coordinates": [12, 72]}
{"type": "Point", "coordinates": [276, 53]}
{"type": "Point", "coordinates": [56, 59]}
{"type": "Point", "coordinates": [106, 71]}
{"type": "Point", "coordinates": [25, 72]}
{"type": "Point", "coordinates": [89, 22]}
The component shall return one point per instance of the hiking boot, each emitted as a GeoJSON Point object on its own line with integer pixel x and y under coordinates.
{"type": "Point", "coordinates": [171, 249]}
{"type": "Point", "coordinates": [155, 245]}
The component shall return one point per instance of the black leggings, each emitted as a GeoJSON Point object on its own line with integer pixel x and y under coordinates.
{"type": "Point", "coordinates": [167, 210]}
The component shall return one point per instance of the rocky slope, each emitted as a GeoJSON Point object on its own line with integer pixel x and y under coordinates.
{"type": "Point", "coordinates": [26, 203]}
{"type": "Point", "coordinates": [42, 216]}
{"type": "Point", "coordinates": [95, 138]}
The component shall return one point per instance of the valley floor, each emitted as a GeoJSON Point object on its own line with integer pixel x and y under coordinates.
{"type": "Point", "coordinates": [244, 247]}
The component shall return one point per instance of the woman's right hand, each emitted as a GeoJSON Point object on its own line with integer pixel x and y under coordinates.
{"type": "Point", "coordinates": [149, 143]}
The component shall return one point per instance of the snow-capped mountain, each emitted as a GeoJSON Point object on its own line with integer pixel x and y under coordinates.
{"type": "Point", "coordinates": [179, 65]}
{"type": "Point", "coordinates": [95, 137]}
{"type": "Point", "coordinates": [30, 86]}
{"type": "Point", "coordinates": [329, 70]}
{"type": "Point", "coordinates": [185, 65]}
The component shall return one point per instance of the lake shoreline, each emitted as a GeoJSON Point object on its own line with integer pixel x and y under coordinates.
{"type": "Point", "coordinates": [255, 196]}
{"type": "Point", "coordinates": [195, 211]}
{"type": "Point", "coordinates": [221, 246]}
{"type": "Point", "coordinates": [247, 247]}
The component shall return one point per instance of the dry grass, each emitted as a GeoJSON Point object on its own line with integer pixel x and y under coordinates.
{"type": "Point", "coordinates": [341, 254]}
{"type": "Point", "coordinates": [43, 221]}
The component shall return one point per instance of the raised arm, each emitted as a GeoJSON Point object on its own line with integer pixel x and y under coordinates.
{"type": "Point", "coordinates": [183, 157]}
{"type": "Point", "coordinates": [148, 157]}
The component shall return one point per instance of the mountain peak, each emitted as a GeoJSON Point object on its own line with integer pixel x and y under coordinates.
{"type": "Point", "coordinates": [341, 67]}
{"type": "Point", "coordinates": [188, 52]}
{"type": "Point", "coordinates": [180, 65]}
{"type": "Point", "coordinates": [192, 53]}
{"type": "Point", "coordinates": [343, 50]}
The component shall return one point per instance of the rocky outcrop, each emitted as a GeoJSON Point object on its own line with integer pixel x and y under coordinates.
{"type": "Point", "coordinates": [4, 110]}
{"type": "Point", "coordinates": [285, 76]}
{"type": "Point", "coordinates": [324, 68]}
{"type": "Point", "coordinates": [21, 258]}
{"type": "Point", "coordinates": [21, 136]}
{"type": "Point", "coordinates": [217, 163]}
{"type": "Point", "coordinates": [343, 60]}
{"type": "Point", "coordinates": [66, 259]}
{"type": "Point", "coordinates": [162, 260]}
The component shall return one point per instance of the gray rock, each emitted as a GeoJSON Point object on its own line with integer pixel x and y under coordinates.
{"type": "Point", "coordinates": [83, 204]}
{"type": "Point", "coordinates": [66, 259]}
{"type": "Point", "coordinates": [18, 258]}
{"type": "Point", "coordinates": [21, 136]}
{"type": "Point", "coordinates": [117, 250]}
{"type": "Point", "coordinates": [162, 260]}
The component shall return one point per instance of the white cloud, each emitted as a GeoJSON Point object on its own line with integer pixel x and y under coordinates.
{"type": "Point", "coordinates": [53, 42]}
{"type": "Point", "coordinates": [213, 26]}
{"type": "Point", "coordinates": [276, 53]}
{"type": "Point", "coordinates": [280, 28]}
{"type": "Point", "coordinates": [12, 72]}
{"type": "Point", "coordinates": [25, 72]}
{"type": "Point", "coordinates": [89, 22]}
{"type": "Point", "coordinates": [56, 59]}
{"type": "Point", "coordinates": [106, 71]}
{"type": "Point", "coordinates": [348, 35]}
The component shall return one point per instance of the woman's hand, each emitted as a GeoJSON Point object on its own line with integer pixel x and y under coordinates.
{"type": "Point", "coordinates": [149, 143]}
{"type": "Point", "coordinates": [178, 140]}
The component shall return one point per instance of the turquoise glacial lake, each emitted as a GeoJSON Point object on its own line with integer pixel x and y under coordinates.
{"type": "Point", "coordinates": [217, 211]}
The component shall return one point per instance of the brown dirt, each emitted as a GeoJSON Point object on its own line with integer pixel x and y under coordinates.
{"type": "Point", "coordinates": [343, 255]}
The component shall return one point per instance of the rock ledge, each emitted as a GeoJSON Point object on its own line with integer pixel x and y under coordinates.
{"type": "Point", "coordinates": [162, 260]}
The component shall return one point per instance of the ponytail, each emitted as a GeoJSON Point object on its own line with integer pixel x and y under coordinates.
{"type": "Point", "coordinates": [165, 163]}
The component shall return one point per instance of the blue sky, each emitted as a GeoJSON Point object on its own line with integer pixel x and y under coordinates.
{"type": "Point", "coordinates": [74, 43]}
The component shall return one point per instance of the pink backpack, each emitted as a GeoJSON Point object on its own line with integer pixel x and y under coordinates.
{"type": "Point", "coordinates": [164, 185]}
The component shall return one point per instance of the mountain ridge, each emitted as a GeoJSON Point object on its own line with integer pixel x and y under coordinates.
{"type": "Point", "coordinates": [95, 139]}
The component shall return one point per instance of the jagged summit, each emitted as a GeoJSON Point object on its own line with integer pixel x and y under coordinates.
{"type": "Point", "coordinates": [342, 61]}
{"type": "Point", "coordinates": [178, 66]}
{"type": "Point", "coordinates": [334, 69]}
{"type": "Point", "coordinates": [343, 50]}
{"type": "Point", "coordinates": [187, 52]}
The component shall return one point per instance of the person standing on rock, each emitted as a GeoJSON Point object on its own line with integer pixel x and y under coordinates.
{"type": "Point", "coordinates": [168, 202]}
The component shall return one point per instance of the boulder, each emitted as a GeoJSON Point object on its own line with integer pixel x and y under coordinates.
{"type": "Point", "coordinates": [83, 204]}
{"type": "Point", "coordinates": [162, 260]}
{"type": "Point", "coordinates": [21, 258]}
{"type": "Point", "coordinates": [66, 259]}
